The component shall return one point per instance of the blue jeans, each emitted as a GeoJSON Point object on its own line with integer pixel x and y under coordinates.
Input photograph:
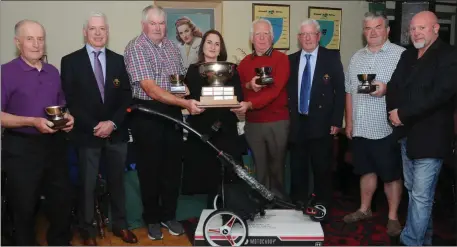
{"type": "Point", "coordinates": [421, 176]}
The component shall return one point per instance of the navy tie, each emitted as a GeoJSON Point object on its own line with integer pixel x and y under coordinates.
{"type": "Point", "coordinates": [305, 88]}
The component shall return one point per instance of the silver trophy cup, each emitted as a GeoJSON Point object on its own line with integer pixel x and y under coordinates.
{"type": "Point", "coordinates": [215, 93]}
{"type": "Point", "coordinates": [366, 85]}
{"type": "Point", "coordinates": [265, 76]}
{"type": "Point", "coordinates": [56, 116]}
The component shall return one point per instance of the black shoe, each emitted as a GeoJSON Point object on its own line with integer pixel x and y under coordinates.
{"type": "Point", "coordinates": [395, 241]}
{"type": "Point", "coordinates": [154, 232]}
{"type": "Point", "coordinates": [174, 227]}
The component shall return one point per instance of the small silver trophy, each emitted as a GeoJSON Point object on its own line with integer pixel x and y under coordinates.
{"type": "Point", "coordinates": [56, 116]}
{"type": "Point", "coordinates": [366, 85]}
{"type": "Point", "coordinates": [177, 84]}
{"type": "Point", "coordinates": [265, 76]}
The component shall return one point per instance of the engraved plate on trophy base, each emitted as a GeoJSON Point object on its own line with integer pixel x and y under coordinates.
{"type": "Point", "coordinates": [264, 81]}
{"type": "Point", "coordinates": [366, 86]}
{"type": "Point", "coordinates": [366, 89]}
{"type": "Point", "coordinates": [218, 97]}
{"type": "Point", "coordinates": [178, 89]}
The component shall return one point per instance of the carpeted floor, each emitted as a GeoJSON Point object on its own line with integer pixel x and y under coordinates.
{"type": "Point", "coordinates": [373, 232]}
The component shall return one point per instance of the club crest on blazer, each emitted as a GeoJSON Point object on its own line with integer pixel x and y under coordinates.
{"type": "Point", "coordinates": [326, 78]}
{"type": "Point", "coordinates": [116, 82]}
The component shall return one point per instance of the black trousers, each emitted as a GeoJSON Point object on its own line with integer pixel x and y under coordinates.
{"type": "Point", "coordinates": [37, 165]}
{"type": "Point", "coordinates": [316, 153]}
{"type": "Point", "coordinates": [114, 156]}
{"type": "Point", "coordinates": [158, 146]}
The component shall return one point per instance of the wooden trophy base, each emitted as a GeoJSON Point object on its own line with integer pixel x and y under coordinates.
{"type": "Point", "coordinates": [59, 124]}
{"type": "Point", "coordinates": [178, 89]}
{"type": "Point", "coordinates": [218, 102]}
{"type": "Point", "coordinates": [264, 81]}
{"type": "Point", "coordinates": [213, 97]}
{"type": "Point", "coordinates": [366, 89]}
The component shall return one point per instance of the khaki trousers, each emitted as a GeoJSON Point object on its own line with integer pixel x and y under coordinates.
{"type": "Point", "coordinates": [268, 142]}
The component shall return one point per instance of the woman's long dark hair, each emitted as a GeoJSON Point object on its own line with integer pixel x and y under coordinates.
{"type": "Point", "coordinates": [223, 52]}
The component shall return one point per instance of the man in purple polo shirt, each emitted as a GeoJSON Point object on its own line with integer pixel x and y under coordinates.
{"type": "Point", "coordinates": [34, 154]}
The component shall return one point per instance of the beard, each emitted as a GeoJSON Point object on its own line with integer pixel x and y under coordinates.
{"type": "Point", "coordinates": [419, 45]}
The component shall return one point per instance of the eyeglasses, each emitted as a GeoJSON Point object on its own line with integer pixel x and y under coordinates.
{"type": "Point", "coordinates": [314, 34]}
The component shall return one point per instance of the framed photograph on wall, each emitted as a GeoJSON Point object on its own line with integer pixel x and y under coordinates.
{"type": "Point", "coordinates": [330, 21]}
{"type": "Point", "coordinates": [187, 22]}
{"type": "Point", "coordinates": [202, 19]}
{"type": "Point", "coordinates": [279, 16]}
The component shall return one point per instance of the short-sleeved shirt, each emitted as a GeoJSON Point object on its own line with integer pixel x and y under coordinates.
{"type": "Point", "coordinates": [369, 114]}
{"type": "Point", "coordinates": [145, 60]}
{"type": "Point", "coordinates": [27, 91]}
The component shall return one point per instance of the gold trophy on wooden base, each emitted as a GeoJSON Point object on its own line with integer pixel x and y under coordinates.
{"type": "Point", "coordinates": [215, 94]}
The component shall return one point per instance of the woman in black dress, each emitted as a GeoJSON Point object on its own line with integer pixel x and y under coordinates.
{"type": "Point", "coordinates": [202, 169]}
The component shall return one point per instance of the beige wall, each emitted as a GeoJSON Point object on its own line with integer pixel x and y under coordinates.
{"type": "Point", "coordinates": [63, 21]}
{"type": "Point", "coordinates": [238, 15]}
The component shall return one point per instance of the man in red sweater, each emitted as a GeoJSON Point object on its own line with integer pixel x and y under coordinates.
{"type": "Point", "coordinates": [267, 114]}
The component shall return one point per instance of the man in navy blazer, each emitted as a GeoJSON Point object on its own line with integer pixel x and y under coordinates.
{"type": "Point", "coordinates": [97, 89]}
{"type": "Point", "coordinates": [316, 107]}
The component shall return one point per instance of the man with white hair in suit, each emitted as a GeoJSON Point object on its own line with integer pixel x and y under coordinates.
{"type": "Point", "coordinates": [316, 103]}
{"type": "Point", "coordinates": [98, 93]}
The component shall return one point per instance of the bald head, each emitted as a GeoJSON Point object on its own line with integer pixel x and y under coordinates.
{"type": "Point", "coordinates": [30, 40]}
{"type": "Point", "coordinates": [426, 16]}
{"type": "Point", "coordinates": [27, 24]}
{"type": "Point", "coordinates": [423, 29]}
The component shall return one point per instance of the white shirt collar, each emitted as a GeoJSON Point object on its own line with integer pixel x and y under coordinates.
{"type": "Point", "coordinates": [91, 49]}
{"type": "Point", "coordinates": [384, 47]}
{"type": "Point", "coordinates": [313, 54]}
